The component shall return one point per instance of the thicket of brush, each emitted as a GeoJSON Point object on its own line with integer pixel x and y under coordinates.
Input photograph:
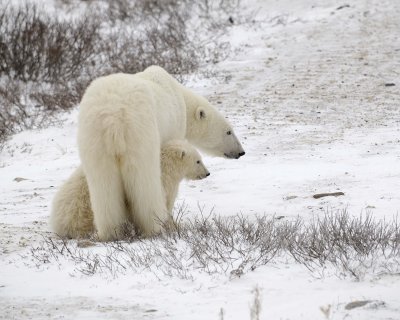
{"type": "Point", "coordinates": [47, 60]}
{"type": "Point", "coordinates": [353, 246]}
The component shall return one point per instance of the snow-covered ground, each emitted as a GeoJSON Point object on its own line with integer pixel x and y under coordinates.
{"type": "Point", "coordinates": [309, 94]}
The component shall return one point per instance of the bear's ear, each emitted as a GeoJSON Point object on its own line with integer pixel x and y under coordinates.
{"type": "Point", "coordinates": [200, 113]}
{"type": "Point", "coordinates": [179, 153]}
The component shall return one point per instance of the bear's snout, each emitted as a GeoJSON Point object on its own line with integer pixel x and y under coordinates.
{"type": "Point", "coordinates": [203, 176]}
{"type": "Point", "coordinates": [234, 155]}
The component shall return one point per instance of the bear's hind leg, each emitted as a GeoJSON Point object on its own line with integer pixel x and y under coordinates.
{"type": "Point", "coordinates": [107, 198]}
{"type": "Point", "coordinates": [144, 192]}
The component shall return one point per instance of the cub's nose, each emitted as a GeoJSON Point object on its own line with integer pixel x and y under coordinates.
{"type": "Point", "coordinates": [207, 174]}
{"type": "Point", "coordinates": [242, 153]}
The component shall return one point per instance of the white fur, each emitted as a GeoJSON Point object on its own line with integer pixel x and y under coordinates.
{"type": "Point", "coordinates": [123, 121]}
{"type": "Point", "coordinates": [71, 214]}
{"type": "Point", "coordinates": [179, 160]}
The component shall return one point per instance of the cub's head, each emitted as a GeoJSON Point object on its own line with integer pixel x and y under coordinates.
{"type": "Point", "coordinates": [211, 132]}
{"type": "Point", "coordinates": [182, 159]}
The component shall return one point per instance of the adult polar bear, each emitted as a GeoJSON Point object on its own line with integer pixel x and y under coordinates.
{"type": "Point", "coordinates": [123, 121]}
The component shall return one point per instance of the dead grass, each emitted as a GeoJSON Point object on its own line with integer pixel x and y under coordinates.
{"type": "Point", "coordinates": [233, 246]}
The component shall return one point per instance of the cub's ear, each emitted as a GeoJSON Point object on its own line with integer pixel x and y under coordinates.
{"type": "Point", "coordinates": [200, 113]}
{"type": "Point", "coordinates": [179, 153]}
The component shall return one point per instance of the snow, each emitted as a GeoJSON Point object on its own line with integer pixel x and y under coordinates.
{"type": "Point", "coordinates": [305, 92]}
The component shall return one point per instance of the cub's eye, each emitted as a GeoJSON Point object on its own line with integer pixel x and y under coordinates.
{"type": "Point", "coordinates": [198, 161]}
{"type": "Point", "coordinates": [229, 132]}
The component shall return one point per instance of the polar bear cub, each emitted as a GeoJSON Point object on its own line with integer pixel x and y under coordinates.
{"type": "Point", "coordinates": [72, 215]}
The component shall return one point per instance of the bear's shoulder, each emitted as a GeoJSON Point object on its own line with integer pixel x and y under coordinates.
{"type": "Point", "coordinates": [160, 76]}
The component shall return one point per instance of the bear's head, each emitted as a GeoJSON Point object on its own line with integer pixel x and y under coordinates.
{"type": "Point", "coordinates": [185, 160]}
{"type": "Point", "coordinates": [208, 130]}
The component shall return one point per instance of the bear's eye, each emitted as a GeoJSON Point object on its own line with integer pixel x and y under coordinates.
{"type": "Point", "coordinates": [229, 132]}
{"type": "Point", "coordinates": [198, 161]}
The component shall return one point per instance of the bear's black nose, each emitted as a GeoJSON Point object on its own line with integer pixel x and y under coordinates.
{"type": "Point", "coordinates": [207, 174]}
{"type": "Point", "coordinates": [242, 154]}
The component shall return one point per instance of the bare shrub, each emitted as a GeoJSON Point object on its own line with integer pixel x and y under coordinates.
{"type": "Point", "coordinates": [126, 51]}
{"type": "Point", "coordinates": [178, 35]}
{"type": "Point", "coordinates": [210, 244]}
{"type": "Point", "coordinates": [51, 60]}
{"type": "Point", "coordinates": [58, 97]}
{"type": "Point", "coordinates": [215, 14]}
{"type": "Point", "coordinates": [34, 105]}
{"type": "Point", "coordinates": [45, 64]}
{"type": "Point", "coordinates": [353, 245]}
{"type": "Point", "coordinates": [38, 47]}
{"type": "Point", "coordinates": [236, 245]}
{"type": "Point", "coordinates": [15, 116]}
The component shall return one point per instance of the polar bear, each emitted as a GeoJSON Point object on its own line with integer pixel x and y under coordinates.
{"type": "Point", "coordinates": [123, 120]}
{"type": "Point", "coordinates": [72, 216]}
